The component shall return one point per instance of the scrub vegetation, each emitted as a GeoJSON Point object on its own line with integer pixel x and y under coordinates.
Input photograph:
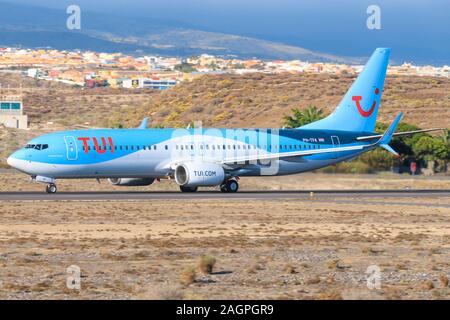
{"type": "Point", "coordinates": [252, 100]}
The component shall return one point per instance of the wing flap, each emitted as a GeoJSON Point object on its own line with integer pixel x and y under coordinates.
{"type": "Point", "coordinates": [270, 156]}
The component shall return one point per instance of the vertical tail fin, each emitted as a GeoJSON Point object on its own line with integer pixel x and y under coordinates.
{"type": "Point", "coordinates": [358, 110]}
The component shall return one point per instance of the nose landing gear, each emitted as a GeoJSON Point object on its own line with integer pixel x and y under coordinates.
{"type": "Point", "coordinates": [51, 183]}
{"type": "Point", "coordinates": [51, 188]}
{"type": "Point", "coordinates": [230, 186]}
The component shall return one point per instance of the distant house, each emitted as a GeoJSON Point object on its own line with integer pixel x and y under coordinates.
{"type": "Point", "coordinates": [53, 73]}
{"type": "Point", "coordinates": [94, 83]}
{"type": "Point", "coordinates": [11, 112]}
{"type": "Point", "coordinates": [32, 73]}
{"type": "Point", "coordinates": [149, 83]}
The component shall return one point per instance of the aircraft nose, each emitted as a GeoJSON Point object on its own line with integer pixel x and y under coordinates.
{"type": "Point", "coordinates": [17, 161]}
{"type": "Point", "coordinates": [11, 161]}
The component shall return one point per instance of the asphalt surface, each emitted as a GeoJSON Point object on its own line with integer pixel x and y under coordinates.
{"type": "Point", "coordinates": [388, 195]}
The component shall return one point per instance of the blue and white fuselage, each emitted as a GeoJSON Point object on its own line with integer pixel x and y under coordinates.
{"type": "Point", "coordinates": [214, 157]}
{"type": "Point", "coordinates": [139, 153]}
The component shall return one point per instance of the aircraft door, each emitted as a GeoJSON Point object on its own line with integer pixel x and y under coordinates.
{"type": "Point", "coordinates": [201, 149]}
{"type": "Point", "coordinates": [335, 141]}
{"type": "Point", "coordinates": [71, 147]}
{"type": "Point", "coordinates": [336, 144]}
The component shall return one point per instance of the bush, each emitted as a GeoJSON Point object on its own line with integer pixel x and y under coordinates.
{"type": "Point", "coordinates": [206, 264]}
{"type": "Point", "coordinates": [188, 276]}
{"type": "Point", "coordinates": [356, 166]}
{"type": "Point", "coordinates": [302, 117]}
{"type": "Point", "coordinates": [197, 109]}
{"type": "Point", "coordinates": [289, 269]}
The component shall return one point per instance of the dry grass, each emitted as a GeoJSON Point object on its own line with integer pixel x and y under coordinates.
{"type": "Point", "coordinates": [444, 280]}
{"type": "Point", "coordinates": [427, 285]}
{"type": "Point", "coordinates": [164, 293]}
{"type": "Point", "coordinates": [260, 100]}
{"type": "Point", "coordinates": [332, 294]}
{"type": "Point", "coordinates": [313, 280]}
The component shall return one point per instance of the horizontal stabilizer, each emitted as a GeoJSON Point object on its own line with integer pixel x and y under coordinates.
{"type": "Point", "coordinates": [398, 134]}
{"type": "Point", "coordinates": [389, 148]}
{"type": "Point", "coordinates": [387, 136]}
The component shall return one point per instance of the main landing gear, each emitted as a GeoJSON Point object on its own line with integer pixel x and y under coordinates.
{"type": "Point", "coordinates": [51, 188]}
{"type": "Point", "coordinates": [230, 186]}
{"type": "Point", "coordinates": [188, 189]}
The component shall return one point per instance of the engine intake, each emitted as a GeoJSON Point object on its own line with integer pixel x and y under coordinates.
{"type": "Point", "coordinates": [128, 182]}
{"type": "Point", "coordinates": [199, 174]}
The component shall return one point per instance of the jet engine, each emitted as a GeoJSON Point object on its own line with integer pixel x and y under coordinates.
{"type": "Point", "coordinates": [199, 174]}
{"type": "Point", "coordinates": [128, 182]}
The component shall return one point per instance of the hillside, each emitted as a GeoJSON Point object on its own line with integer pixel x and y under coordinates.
{"type": "Point", "coordinates": [36, 26]}
{"type": "Point", "coordinates": [259, 100]}
{"type": "Point", "coordinates": [254, 100]}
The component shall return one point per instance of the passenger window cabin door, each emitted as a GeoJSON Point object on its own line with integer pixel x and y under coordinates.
{"type": "Point", "coordinates": [71, 147]}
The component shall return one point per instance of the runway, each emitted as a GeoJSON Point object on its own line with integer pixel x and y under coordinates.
{"type": "Point", "coordinates": [205, 195]}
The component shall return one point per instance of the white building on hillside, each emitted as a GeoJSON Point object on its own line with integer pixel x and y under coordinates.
{"type": "Point", "coordinates": [11, 112]}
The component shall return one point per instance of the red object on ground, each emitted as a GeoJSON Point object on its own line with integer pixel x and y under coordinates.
{"type": "Point", "coordinates": [413, 167]}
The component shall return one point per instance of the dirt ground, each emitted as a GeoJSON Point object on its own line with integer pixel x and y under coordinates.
{"type": "Point", "coordinates": [318, 248]}
{"type": "Point", "coordinates": [11, 180]}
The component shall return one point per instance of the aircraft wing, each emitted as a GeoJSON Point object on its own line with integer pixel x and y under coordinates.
{"type": "Point", "coordinates": [270, 156]}
{"type": "Point", "coordinates": [397, 134]}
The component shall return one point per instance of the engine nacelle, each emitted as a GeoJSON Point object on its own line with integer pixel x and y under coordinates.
{"type": "Point", "coordinates": [128, 182]}
{"type": "Point", "coordinates": [199, 174]}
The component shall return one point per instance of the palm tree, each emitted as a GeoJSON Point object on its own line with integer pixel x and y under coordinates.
{"type": "Point", "coordinates": [303, 117]}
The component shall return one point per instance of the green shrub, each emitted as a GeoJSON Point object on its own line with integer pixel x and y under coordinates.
{"type": "Point", "coordinates": [206, 264]}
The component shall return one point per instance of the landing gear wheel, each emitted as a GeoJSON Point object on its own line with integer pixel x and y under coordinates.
{"type": "Point", "coordinates": [230, 186]}
{"type": "Point", "coordinates": [51, 188]}
{"type": "Point", "coordinates": [188, 189]}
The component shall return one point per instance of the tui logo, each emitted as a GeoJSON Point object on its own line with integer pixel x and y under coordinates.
{"type": "Point", "coordinates": [361, 111]}
{"type": "Point", "coordinates": [97, 148]}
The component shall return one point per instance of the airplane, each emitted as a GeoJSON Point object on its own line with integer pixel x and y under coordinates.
{"type": "Point", "coordinates": [200, 157]}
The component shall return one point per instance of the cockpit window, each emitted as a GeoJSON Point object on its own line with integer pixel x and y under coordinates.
{"type": "Point", "coordinates": [36, 146]}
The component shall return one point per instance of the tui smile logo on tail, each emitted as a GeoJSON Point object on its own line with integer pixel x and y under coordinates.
{"type": "Point", "coordinates": [361, 111]}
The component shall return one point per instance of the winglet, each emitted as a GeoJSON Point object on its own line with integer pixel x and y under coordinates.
{"type": "Point", "coordinates": [387, 136]}
{"type": "Point", "coordinates": [144, 123]}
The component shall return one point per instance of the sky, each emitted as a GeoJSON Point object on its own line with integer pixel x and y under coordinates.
{"type": "Point", "coordinates": [412, 28]}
